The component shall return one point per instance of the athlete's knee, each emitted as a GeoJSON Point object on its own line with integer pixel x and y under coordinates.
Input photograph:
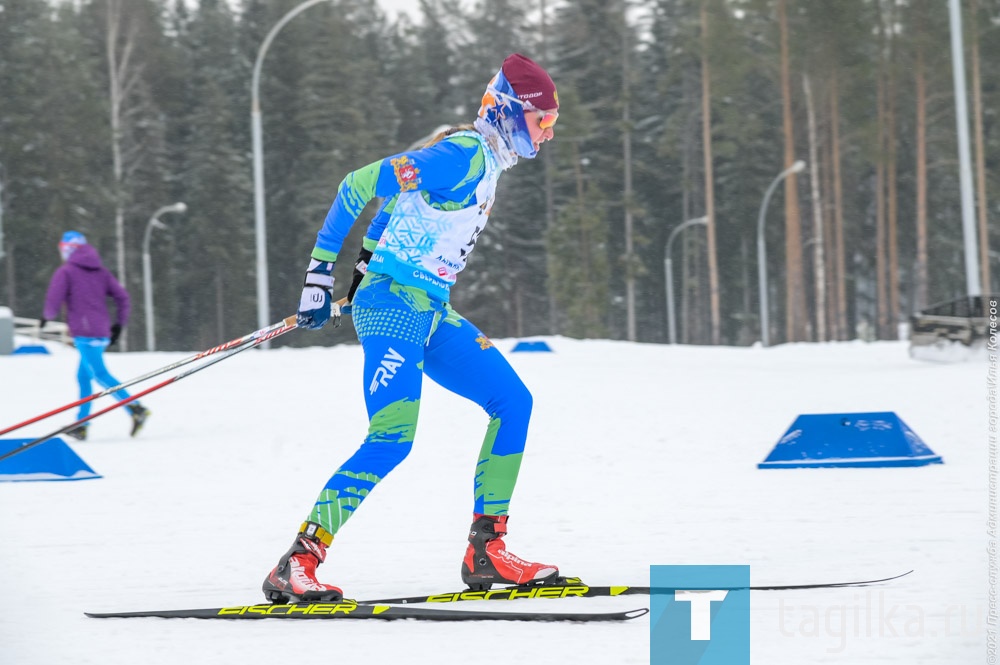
{"type": "Point", "coordinates": [391, 432]}
{"type": "Point", "coordinates": [515, 401]}
{"type": "Point", "coordinates": [523, 395]}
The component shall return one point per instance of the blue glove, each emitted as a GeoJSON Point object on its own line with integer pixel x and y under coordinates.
{"type": "Point", "coordinates": [316, 305]}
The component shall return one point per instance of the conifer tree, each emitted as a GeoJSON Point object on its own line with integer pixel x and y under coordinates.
{"type": "Point", "coordinates": [212, 301]}
{"type": "Point", "coordinates": [505, 287]}
{"type": "Point", "coordinates": [51, 142]}
{"type": "Point", "coordinates": [587, 45]}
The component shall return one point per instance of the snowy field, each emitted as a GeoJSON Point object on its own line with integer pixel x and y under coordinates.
{"type": "Point", "coordinates": [638, 455]}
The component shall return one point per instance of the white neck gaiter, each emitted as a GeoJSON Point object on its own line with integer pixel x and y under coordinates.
{"type": "Point", "coordinates": [501, 145]}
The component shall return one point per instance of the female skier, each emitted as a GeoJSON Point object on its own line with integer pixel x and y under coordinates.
{"type": "Point", "coordinates": [437, 200]}
{"type": "Point", "coordinates": [83, 285]}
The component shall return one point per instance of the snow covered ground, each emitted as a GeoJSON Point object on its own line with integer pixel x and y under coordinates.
{"type": "Point", "coordinates": [638, 455]}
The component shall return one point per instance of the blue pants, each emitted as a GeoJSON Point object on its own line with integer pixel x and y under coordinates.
{"type": "Point", "coordinates": [405, 334]}
{"type": "Point", "coordinates": [92, 368]}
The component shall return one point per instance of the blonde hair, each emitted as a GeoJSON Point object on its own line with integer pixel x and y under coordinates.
{"type": "Point", "coordinates": [448, 132]}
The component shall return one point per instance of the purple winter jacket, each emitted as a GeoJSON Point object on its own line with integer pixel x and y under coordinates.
{"type": "Point", "coordinates": [84, 284]}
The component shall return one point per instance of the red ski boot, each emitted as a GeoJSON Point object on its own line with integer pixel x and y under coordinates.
{"type": "Point", "coordinates": [294, 578]}
{"type": "Point", "coordinates": [487, 561]}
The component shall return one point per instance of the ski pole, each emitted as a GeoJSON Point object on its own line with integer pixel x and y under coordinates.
{"type": "Point", "coordinates": [287, 324]}
{"type": "Point", "coordinates": [288, 321]}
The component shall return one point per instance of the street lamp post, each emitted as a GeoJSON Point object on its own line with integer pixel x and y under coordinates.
{"type": "Point", "coordinates": [797, 167]}
{"type": "Point", "coordinates": [263, 299]}
{"type": "Point", "coordinates": [147, 269]}
{"type": "Point", "coordinates": [669, 270]}
{"type": "Point", "coordinates": [973, 285]}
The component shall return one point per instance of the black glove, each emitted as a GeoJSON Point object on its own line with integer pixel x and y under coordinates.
{"type": "Point", "coordinates": [360, 269]}
{"type": "Point", "coordinates": [116, 332]}
{"type": "Point", "coordinates": [41, 323]}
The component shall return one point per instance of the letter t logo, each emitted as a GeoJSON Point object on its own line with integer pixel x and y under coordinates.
{"type": "Point", "coordinates": [701, 610]}
{"type": "Point", "coordinates": [699, 615]}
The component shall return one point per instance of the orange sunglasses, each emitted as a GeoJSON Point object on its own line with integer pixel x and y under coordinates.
{"type": "Point", "coordinates": [546, 119]}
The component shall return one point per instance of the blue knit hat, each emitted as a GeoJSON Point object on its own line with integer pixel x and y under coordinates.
{"type": "Point", "coordinates": [70, 241]}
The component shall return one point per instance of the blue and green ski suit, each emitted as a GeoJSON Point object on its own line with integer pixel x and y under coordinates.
{"type": "Point", "coordinates": [437, 201]}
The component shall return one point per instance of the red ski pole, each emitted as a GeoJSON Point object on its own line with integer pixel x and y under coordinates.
{"type": "Point", "coordinates": [289, 321]}
{"type": "Point", "coordinates": [286, 325]}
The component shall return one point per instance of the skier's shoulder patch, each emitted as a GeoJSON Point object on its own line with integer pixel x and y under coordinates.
{"type": "Point", "coordinates": [407, 173]}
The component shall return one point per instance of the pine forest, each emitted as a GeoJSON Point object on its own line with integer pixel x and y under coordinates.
{"type": "Point", "coordinates": [671, 111]}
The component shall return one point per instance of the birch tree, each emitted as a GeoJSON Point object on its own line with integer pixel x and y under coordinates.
{"type": "Point", "coordinates": [819, 261]}
{"type": "Point", "coordinates": [123, 77]}
{"type": "Point", "coordinates": [706, 132]}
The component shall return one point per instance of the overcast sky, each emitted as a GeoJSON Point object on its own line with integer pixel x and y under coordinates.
{"type": "Point", "coordinates": [394, 7]}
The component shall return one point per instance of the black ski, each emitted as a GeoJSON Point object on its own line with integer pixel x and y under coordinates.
{"type": "Point", "coordinates": [351, 610]}
{"type": "Point", "coordinates": [574, 588]}
{"type": "Point", "coordinates": [388, 609]}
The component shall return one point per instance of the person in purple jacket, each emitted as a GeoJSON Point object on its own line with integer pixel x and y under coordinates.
{"type": "Point", "coordinates": [83, 284]}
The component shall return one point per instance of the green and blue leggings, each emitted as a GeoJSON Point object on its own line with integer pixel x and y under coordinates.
{"type": "Point", "coordinates": [405, 334]}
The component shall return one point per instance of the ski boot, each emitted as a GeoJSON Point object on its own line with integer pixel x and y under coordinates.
{"type": "Point", "coordinates": [487, 561]}
{"type": "Point", "coordinates": [294, 578]}
{"type": "Point", "coordinates": [139, 415]}
{"type": "Point", "coordinates": [79, 432]}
